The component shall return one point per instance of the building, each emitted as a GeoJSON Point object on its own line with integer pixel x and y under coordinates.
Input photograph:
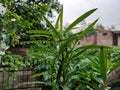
{"type": "Point", "coordinates": [102, 37]}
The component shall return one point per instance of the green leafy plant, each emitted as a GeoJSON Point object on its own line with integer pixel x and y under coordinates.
{"type": "Point", "coordinates": [62, 65]}
{"type": "Point", "coordinates": [60, 54]}
{"type": "Point", "coordinates": [105, 64]}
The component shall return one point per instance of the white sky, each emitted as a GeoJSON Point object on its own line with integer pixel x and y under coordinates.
{"type": "Point", "coordinates": [108, 11]}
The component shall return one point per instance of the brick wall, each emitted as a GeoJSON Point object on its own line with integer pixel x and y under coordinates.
{"type": "Point", "coordinates": [104, 37]}
{"type": "Point", "coordinates": [88, 40]}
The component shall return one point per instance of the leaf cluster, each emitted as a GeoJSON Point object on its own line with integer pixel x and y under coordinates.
{"type": "Point", "coordinates": [61, 62]}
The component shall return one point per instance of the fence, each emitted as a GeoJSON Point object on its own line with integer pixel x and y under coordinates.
{"type": "Point", "coordinates": [10, 78]}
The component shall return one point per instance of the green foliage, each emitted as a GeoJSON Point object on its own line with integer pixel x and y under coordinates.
{"type": "Point", "coordinates": [104, 63]}
{"type": "Point", "coordinates": [99, 27]}
{"type": "Point", "coordinates": [65, 66]}
{"type": "Point", "coordinates": [114, 58]}
{"type": "Point", "coordinates": [55, 57]}
{"type": "Point", "coordinates": [61, 62]}
{"type": "Point", "coordinates": [23, 15]}
{"type": "Point", "coordinates": [92, 32]}
{"type": "Point", "coordinates": [13, 61]}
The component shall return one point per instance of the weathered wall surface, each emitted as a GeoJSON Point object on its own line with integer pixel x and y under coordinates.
{"type": "Point", "coordinates": [104, 38]}
{"type": "Point", "coordinates": [88, 40]}
{"type": "Point", "coordinates": [119, 40]}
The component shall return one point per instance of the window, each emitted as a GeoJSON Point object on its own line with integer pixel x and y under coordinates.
{"type": "Point", "coordinates": [104, 34]}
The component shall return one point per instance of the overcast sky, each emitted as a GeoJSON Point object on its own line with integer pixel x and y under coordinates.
{"type": "Point", "coordinates": [108, 11]}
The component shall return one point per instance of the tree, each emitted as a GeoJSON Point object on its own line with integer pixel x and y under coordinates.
{"type": "Point", "coordinates": [95, 28]}
{"type": "Point", "coordinates": [23, 15]}
{"type": "Point", "coordinates": [112, 27]}
{"type": "Point", "coordinates": [99, 27]}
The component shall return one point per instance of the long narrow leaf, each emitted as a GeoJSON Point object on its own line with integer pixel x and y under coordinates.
{"type": "Point", "coordinates": [84, 48]}
{"type": "Point", "coordinates": [103, 64]}
{"type": "Point", "coordinates": [41, 35]}
{"type": "Point", "coordinates": [61, 20]}
{"type": "Point", "coordinates": [34, 41]}
{"type": "Point", "coordinates": [87, 29]}
{"type": "Point", "coordinates": [78, 20]}
{"type": "Point", "coordinates": [92, 47]}
{"type": "Point", "coordinates": [57, 21]}
{"type": "Point", "coordinates": [77, 36]}
{"type": "Point", "coordinates": [51, 27]}
{"type": "Point", "coordinates": [39, 32]}
{"type": "Point", "coordinates": [30, 83]}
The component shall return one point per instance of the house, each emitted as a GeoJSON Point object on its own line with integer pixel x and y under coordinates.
{"type": "Point", "coordinates": [102, 37]}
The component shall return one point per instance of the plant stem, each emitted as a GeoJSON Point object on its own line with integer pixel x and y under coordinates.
{"type": "Point", "coordinates": [60, 70]}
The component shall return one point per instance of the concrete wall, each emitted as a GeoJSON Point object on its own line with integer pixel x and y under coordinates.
{"type": "Point", "coordinates": [104, 38]}
{"type": "Point", "coordinates": [88, 40]}
{"type": "Point", "coordinates": [118, 40]}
